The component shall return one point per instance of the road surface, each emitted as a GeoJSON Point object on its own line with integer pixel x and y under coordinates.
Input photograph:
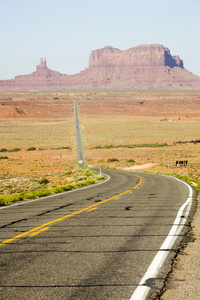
{"type": "Point", "coordinates": [79, 146]}
{"type": "Point", "coordinates": [95, 243]}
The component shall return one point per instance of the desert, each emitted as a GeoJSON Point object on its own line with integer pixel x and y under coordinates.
{"type": "Point", "coordinates": [100, 150]}
{"type": "Point", "coordinates": [133, 127]}
{"type": "Point", "coordinates": [139, 111]}
{"type": "Point", "coordinates": [137, 131]}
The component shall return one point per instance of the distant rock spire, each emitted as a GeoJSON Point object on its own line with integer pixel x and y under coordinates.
{"type": "Point", "coordinates": [43, 64]}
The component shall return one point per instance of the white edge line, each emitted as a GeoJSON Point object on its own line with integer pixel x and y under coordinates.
{"type": "Point", "coordinates": [142, 290]}
{"type": "Point", "coordinates": [58, 194]}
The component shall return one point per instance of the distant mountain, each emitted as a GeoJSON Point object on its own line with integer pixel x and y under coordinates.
{"type": "Point", "coordinates": [141, 67]}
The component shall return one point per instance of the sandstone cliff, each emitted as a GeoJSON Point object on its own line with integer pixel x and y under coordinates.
{"type": "Point", "coordinates": [141, 67]}
{"type": "Point", "coordinates": [140, 56]}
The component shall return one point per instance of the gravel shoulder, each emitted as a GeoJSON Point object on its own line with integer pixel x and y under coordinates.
{"type": "Point", "coordinates": [184, 281]}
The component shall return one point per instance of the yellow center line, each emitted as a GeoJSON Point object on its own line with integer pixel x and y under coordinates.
{"type": "Point", "coordinates": [91, 209]}
{"type": "Point", "coordinates": [41, 230]}
{"type": "Point", "coordinates": [70, 215]}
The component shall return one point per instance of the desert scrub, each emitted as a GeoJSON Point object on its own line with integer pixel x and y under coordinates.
{"type": "Point", "coordinates": [44, 181]}
{"type": "Point", "coordinates": [35, 186]}
{"type": "Point", "coordinates": [184, 178]}
{"type": "Point", "coordinates": [155, 145]}
{"type": "Point", "coordinates": [31, 149]}
{"type": "Point", "coordinates": [62, 148]}
{"type": "Point", "coordinates": [112, 159]}
{"type": "Point", "coordinates": [10, 150]}
{"type": "Point", "coordinates": [130, 160]}
{"type": "Point", "coordinates": [91, 179]}
{"type": "Point", "coordinates": [3, 150]}
{"type": "Point", "coordinates": [190, 181]}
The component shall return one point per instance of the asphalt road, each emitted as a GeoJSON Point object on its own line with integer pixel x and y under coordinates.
{"type": "Point", "coordinates": [79, 146]}
{"type": "Point", "coordinates": [95, 243]}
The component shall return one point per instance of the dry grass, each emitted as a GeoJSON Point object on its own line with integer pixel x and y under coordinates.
{"type": "Point", "coordinates": [23, 171]}
{"type": "Point", "coordinates": [127, 129]}
{"type": "Point", "coordinates": [25, 133]}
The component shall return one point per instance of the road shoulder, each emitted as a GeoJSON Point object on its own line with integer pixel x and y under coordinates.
{"type": "Point", "coordinates": [183, 282]}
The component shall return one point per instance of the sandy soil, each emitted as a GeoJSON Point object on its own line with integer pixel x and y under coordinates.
{"type": "Point", "coordinates": [146, 166]}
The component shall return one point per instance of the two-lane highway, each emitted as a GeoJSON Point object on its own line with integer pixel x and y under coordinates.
{"type": "Point", "coordinates": [97, 242]}
{"type": "Point", "coordinates": [79, 146]}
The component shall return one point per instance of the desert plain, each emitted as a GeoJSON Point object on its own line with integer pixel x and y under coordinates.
{"type": "Point", "coordinates": [120, 129]}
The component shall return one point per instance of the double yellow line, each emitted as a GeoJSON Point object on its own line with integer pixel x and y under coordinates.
{"type": "Point", "coordinates": [45, 226]}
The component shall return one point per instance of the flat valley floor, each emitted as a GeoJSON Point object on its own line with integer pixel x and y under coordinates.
{"type": "Point", "coordinates": [120, 129]}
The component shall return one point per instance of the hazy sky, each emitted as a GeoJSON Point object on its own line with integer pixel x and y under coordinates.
{"type": "Point", "coordinates": [66, 31]}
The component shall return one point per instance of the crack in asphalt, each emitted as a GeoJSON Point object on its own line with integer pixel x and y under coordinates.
{"type": "Point", "coordinates": [57, 208]}
{"type": "Point", "coordinates": [128, 207]}
{"type": "Point", "coordinates": [12, 223]}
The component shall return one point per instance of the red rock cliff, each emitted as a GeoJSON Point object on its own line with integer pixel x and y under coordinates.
{"type": "Point", "coordinates": [144, 55]}
{"type": "Point", "coordinates": [141, 67]}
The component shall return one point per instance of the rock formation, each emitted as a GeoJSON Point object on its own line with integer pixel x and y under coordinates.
{"type": "Point", "coordinates": [141, 67]}
{"type": "Point", "coordinates": [140, 56]}
{"type": "Point", "coordinates": [42, 65]}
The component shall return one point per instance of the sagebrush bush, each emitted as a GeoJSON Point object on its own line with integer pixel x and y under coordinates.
{"type": "Point", "coordinates": [44, 181]}
{"type": "Point", "coordinates": [31, 149]}
{"type": "Point", "coordinates": [112, 159]}
{"type": "Point", "coordinates": [44, 192]}
{"type": "Point", "coordinates": [130, 160]}
{"type": "Point", "coordinates": [3, 150]}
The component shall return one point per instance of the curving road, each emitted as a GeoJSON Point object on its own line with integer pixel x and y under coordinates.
{"type": "Point", "coordinates": [108, 241]}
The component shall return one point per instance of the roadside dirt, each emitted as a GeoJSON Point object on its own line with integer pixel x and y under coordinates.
{"type": "Point", "coordinates": [146, 166]}
{"type": "Point", "coordinates": [184, 280]}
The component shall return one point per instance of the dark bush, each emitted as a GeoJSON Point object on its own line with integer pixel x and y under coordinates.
{"type": "Point", "coordinates": [31, 149]}
{"type": "Point", "coordinates": [3, 150]}
{"type": "Point", "coordinates": [112, 159]}
{"type": "Point", "coordinates": [44, 181]}
{"type": "Point", "coordinates": [14, 150]}
{"type": "Point", "coordinates": [130, 160]}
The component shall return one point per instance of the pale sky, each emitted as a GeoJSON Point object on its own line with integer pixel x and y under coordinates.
{"type": "Point", "coordinates": [66, 31]}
